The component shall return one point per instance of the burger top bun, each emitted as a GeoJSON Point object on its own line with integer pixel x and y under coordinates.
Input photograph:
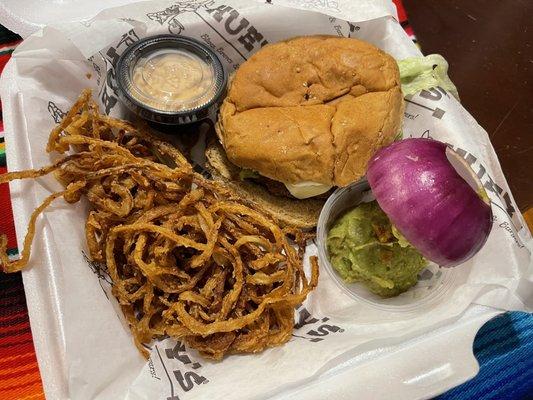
{"type": "Point", "coordinates": [311, 109]}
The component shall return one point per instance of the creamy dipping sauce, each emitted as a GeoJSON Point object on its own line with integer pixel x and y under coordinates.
{"type": "Point", "coordinates": [173, 80]}
{"type": "Point", "coordinates": [170, 80]}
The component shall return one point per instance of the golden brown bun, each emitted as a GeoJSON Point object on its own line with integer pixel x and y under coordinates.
{"type": "Point", "coordinates": [301, 214]}
{"type": "Point", "coordinates": [311, 108]}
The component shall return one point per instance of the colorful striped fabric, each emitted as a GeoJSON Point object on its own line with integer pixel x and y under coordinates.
{"type": "Point", "coordinates": [504, 349]}
{"type": "Point", "coordinates": [504, 346]}
{"type": "Point", "coordinates": [19, 371]}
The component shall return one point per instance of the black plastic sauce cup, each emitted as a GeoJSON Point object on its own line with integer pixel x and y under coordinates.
{"type": "Point", "coordinates": [171, 80]}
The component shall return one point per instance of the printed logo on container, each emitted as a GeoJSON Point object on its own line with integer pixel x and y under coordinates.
{"type": "Point", "coordinates": [108, 92]}
{"type": "Point", "coordinates": [181, 370]}
{"type": "Point", "coordinates": [101, 271]}
{"type": "Point", "coordinates": [226, 24]}
{"type": "Point", "coordinates": [169, 15]}
{"type": "Point", "coordinates": [184, 372]}
{"type": "Point", "coordinates": [56, 113]}
{"type": "Point", "coordinates": [431, 102]}
{"type": "Point", "coordinates": [433, 94]}
{"type": "Point", "coordinates": [326, 5]}
{"type": "Point", "coordinates": [96, 68]}
{"type": "Point", "coordinates": [311, 328]}
{"type": "Point", "coordinates": [318, 5]}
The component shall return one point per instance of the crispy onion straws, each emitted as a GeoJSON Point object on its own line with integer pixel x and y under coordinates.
{"type": "Point", "coordinates": [187, 259]}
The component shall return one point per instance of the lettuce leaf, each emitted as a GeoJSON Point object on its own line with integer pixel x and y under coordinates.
{"type": "Point", "coordinates": [423, 73]}
{"type": "Point", "coordinates": [246, 173]}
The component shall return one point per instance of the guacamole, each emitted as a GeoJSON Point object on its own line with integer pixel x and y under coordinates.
{"type": "Point", "coordinates": [364, 247]}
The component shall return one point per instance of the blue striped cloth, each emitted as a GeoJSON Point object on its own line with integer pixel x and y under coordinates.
{"type": "Point", "coordinates": [504, 350]}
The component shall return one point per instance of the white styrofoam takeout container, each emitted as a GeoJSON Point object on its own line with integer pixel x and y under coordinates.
{"type": "Point", "coordinates": [417, 369]}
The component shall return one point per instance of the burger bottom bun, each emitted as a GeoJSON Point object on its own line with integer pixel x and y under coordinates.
{"type": "Point", "coordinates": [296, 213]}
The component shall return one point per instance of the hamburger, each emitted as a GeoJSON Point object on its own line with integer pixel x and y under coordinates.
{"type": "Point", "coordinates": [301, 117]}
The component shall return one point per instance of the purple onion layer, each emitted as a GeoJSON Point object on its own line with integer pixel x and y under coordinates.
{"type": "Point", "coordinates": [428, 201]}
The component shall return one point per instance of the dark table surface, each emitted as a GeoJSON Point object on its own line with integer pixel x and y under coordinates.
{"type": "Point", "coordinates": [489, 46]}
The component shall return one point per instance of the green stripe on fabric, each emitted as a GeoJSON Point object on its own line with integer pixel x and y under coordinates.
{"type": "Point", "coordinates": [2, 159]}
{"type": "Point", "coordinates": [6, 52]}
{"type": "Point", "coordinates": [12, 252]}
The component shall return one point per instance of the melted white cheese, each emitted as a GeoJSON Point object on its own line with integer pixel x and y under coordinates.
{"type": "Point", "coordinates": [304, 190]}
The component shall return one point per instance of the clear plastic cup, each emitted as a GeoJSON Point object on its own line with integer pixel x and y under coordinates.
{"type": "Point", "coordinates": [433, 284]}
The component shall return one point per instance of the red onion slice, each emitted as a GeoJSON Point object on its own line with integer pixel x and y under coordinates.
{"type": "Point", "coordinates": [441, 214]}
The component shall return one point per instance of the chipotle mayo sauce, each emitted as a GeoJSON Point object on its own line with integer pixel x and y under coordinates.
{"type": "Point", "coordinates": [173, 81]}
